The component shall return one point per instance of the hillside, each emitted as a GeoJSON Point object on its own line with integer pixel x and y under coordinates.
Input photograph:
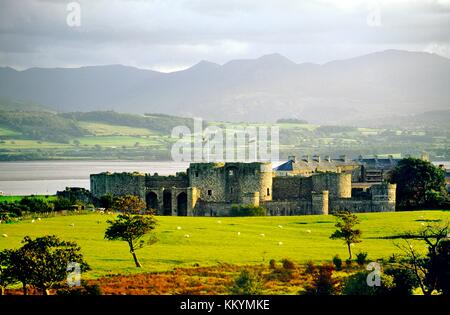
{"type": "Point", "coordinates": [30, 135]}
{"type": "Point", "coordinates": [373, 86]}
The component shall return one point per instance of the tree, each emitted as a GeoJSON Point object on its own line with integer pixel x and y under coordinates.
{"type": "Point", "coordinates": [131, 228]}
{"type": "Point", "coordinates": [432, 271]}
{"type": "Point", "coordinates": [346, 230]}
{"type": "Point", "coordinates": [5, 274]}
{"type": "Point", "coordinates": [419, 184]}
{"type": "Point", "coordinates": [43, 262]}
{"type": "Point", "coordinates": [106, 201]}
{"type": "Point", "coordinates": [128, 204]}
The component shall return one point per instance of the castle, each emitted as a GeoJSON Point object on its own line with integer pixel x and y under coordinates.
{"type": "Point", "coordinates": [210, 189]}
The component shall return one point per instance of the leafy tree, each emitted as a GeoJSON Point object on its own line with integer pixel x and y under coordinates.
{"type": "Point", "coordinates": [106, 201]}
{"type": "Point", "coordinates": [247, 283]}
{"type": "Point", "coordinates": [432, 272]}
{"type": "Point", "coordinates": [5, 276]}
{"type": "Point", "coordinates": [345, 229]}
{"type": "Point", "coordinates": [131, 228]}
{"type": "Point", "coordinates": [404, 279]}
{"type": "Point", "coordinates": [419, 184]}
{"type": "Point", "coordinates": [128, 204]}
{"type": "Point", "coordinates": [36, 204]}
{"type": "Point", "coordinates": [43, 262]}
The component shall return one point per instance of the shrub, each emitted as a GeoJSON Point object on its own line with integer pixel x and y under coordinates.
{"type": "Point", "coordinates": [36, 204]}
{"type": "Point", "coordinates": [62, 204]}
{"type": "Point", "coordinates": [356, 284]}
{"type": "Point", "coordinates": [404, 279]}
{"type": "Point", "coordinates": [247, 211]}
{"type": "Point", "coordinates": [288, 264]}
{"type": "Point", "coordinates": [84, 289]}
{"type": "Point", "coordinates": [323, 282]}
{"type": "Point", "coordinates": [272, 264]}
{"type": "Point", "coordinates": [310, 267]}
{"type": "Point", "coordinates": [337, 261]}
{"type": "Point", "coordinates": [361, 258]}
{"type": "Point", "coordinates": [247, 283]}
{"type": "Point", "coordinates": [348, 263]}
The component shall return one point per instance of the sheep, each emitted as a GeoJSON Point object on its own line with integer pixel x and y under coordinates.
{"type": "Point", "coordinates": [238, 233]}
{"type": "Point", "coordinates": [280, 226]}
{"type": "Point", "coordinates": [39, 219]}
{"type": "Point", "coordinates": [262, 234]}
{"type": "Point", "coordinates": [72, 224]}
{"type": "Point", "coordinates": [280, 243]}
{"type": "Point", "coordinates": [308, 231]}
{"type": "Point", "coordinates": [32, 221]}
{"type": "Point", "coordinates": [187, 235]}
{"type": "Point", "coordinates": [218, 221]}
{"type": "Point", "coordinates": [178, 227]}
{"type": "Point", "coordinates": [5, 235]}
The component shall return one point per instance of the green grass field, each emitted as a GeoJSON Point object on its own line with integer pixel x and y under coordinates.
{"type": "Point", "coordinates": [18, 198]}
{"type": "Point", "coordinates": [216, 240]}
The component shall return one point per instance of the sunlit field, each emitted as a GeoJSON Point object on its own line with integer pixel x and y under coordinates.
{"type": "Point", "coordinates": [205, 241]}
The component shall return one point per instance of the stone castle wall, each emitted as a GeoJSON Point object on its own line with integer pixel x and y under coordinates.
{"type": "Point", "coordinates": [118, 184]}
{"type": "Point", "coordinates": [212, 189]}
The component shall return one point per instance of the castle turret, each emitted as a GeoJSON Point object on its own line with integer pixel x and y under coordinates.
{"type": "Point", "coordinates": [320, 202]}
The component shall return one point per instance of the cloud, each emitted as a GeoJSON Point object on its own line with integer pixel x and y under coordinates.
{"type": "Point", "coordinates": [171, 34]}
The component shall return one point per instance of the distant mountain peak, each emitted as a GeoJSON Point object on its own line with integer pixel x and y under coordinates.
{"type": "Point", "coordinates": [275, 57]}
{"type": "Point", "coordinates": [204, 64]}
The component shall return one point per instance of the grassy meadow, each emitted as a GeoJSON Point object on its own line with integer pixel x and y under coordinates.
{"type": "Point", "coordinates": [206, 241]}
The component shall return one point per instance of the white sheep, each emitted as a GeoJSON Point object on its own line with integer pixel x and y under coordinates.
{"type": "Point", "coordinates": [178, 227]}
{"type": "Point", "coordinates": [238, 233]}
{"type": "Point", "coordinates": [280, 243]}
{"type": "Point", "coordinates": [308, 231]}
{"type": "Point", "coordinates": [5, 235]}
{"type": "Point", "coordinates": [280, 226]}
{"type": "Point", "coordinates": [32, 221]}
{"type": "Point", "coordinates": [39, 219]}
{"type": "Point", "coordinates": [262, 234]}
{"type": "Point", "coordinates": [187, 235]}
{"type": "Point", "coordinates": [72, 224]}
{"type": "Point", "coordinates": [218, 221]}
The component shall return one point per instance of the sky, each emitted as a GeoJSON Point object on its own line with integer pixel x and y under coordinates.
{"type": "Point", "coordinates": [171, 35]}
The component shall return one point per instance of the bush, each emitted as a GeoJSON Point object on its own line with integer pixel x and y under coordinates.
{"type": "Point", "coordinates": [272, 264]}
{"type": "Point", "coordinates": [247, 211]}
{"type": "Point", "coordinates": [62, 204]}
{"type": "Point", "coordinates": [84, 289]}
{"type": "Point", "coordinates": [361, 258]}
{"type": "Point", "coordinates": [348, 263]}
{"type": "Point", "coordinates": [247, 283]}
{"type": "Point", "coordinates": [323, 282]}
{"type": "Point", "coordinates": [288, 264]}
{"type": "Point", "coordinates": [36, 204]}
{"type": "Point", "coordinates": [310, 267]}
{"type": "Point", "coordinates": [356, 284]}
{"type": "Point", "coordinates": [337, 261]}
{"type": "Point", "coordinates": [404, 279]}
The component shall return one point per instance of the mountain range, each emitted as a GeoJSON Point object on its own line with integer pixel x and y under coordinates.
{"type": "Point", "coordinates": [372, 86]}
